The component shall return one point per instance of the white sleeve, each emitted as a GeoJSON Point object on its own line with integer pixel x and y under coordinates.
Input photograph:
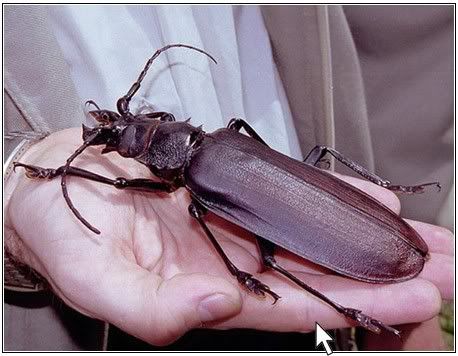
{"type": "Point", "coordinates": [106, 47]}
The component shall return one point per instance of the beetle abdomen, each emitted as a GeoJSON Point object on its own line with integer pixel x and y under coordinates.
{"type": "Point", "coordinates": [303, 209]}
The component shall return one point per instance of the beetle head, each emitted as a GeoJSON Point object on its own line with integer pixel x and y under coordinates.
{"type": "Point", "coordinates": [129, 136]}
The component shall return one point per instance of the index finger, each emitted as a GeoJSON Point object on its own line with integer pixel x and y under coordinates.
{"type": "Point", "coordinates": [439, 239]}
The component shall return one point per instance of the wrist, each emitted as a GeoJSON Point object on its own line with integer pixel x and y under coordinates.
{"type": "Point", "coordinates": [18, 260]}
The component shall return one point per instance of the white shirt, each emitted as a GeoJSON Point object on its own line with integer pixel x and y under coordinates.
{"type": "Point", "coordinates": [107, 46]}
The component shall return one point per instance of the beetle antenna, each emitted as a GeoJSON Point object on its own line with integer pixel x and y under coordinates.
{"type": "Point", "coordinates": [63, 183]}
{"type": "Point", "coordinates": [123, 102]}
{"type": "Point", "coordinates": [92, 102]}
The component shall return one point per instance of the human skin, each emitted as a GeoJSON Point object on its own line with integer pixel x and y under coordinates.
{"type": "Point", "coordinates": [153, 273]}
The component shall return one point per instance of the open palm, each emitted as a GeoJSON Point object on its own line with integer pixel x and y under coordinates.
{"type": "Point", "coordinates": [153, 273]}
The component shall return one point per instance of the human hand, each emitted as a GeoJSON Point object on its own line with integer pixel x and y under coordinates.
{"type": "Point", "coordinates": [153, 273]}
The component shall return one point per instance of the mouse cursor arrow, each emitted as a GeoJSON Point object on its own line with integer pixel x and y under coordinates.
{"type": "Point", "coordinates": [322, 337]}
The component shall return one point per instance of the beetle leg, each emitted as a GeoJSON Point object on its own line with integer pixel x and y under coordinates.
{"type": "Point", "coordinates": [323, 163]}
{"type": "Point", "coordinates": [197, 211]}
{"type": "Point", "coordinates": [267, 253]}
{"type": "Point", "coordinates": [237, 124]}
{"type": "Point", "coordinates": [367, 322]}
{"type": "Point", "coordinates": [317, 154]}
{"type": "Point", "coordinates": [119, 183]}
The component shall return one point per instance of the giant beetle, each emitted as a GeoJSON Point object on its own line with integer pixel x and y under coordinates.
{"type": "Point", "coordinates": [239, 178]}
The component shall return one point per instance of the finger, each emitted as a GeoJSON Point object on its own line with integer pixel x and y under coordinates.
{"type": "Point", "coordinates": [192, 300]}
{"type": "Point", "coordinates": [439, 270]}
{"type": "Point", "coordinates": [383, 195]}
{"type": "Point", "coordinates": [439, 239]}
{"type": "Point", "coordinates": [407, 302]}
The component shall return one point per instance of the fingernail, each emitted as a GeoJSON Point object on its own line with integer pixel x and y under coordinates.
{"type": "Point", "coordinates": [215, 306]}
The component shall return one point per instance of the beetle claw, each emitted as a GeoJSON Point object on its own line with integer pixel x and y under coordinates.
{"type": "Point", "coordinates": [275, 297]}
{"type": "Point", "coordinates": [256, 286]}
{"type": "Point", "coordinates": [369, 323]}
{"type": "Point", "coordinates": [414, 189]}
{"type": "Point", "coordinates": [35, 172]}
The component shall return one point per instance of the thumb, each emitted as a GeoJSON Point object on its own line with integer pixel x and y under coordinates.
{"type": "Point", "coordinates": [145, 305]}
{"type": "Point", "coordinates": [187, 301]}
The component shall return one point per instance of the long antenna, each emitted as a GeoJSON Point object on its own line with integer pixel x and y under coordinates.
{"type": "Point", "coordinates": [123, 108]}
{"type": "Point", "coordinates": [123, 102]}
{"type": "Point", "coordinates": [63, 183]}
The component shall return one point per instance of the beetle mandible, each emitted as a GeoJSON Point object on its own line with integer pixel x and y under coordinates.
{"type": "Point", "coordinates": [324, 219]}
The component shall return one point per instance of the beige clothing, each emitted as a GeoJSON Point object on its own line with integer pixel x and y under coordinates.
{"type": "Point", "coordinates": [392, 89]}
{"type": "Point", "coordinates": [375, 82]}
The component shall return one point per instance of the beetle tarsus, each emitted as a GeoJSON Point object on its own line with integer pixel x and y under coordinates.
{"type": "Point", "coordinates": [256, 286]}
{"type": "Point", "coordinates": [35, 172]}
{"type": "Point", "coordinates": [415, 189]}
{"type": "Point", "coordinates": [368, 323]}
{"type": "Point", "coordinates": [316, 155]}
{"type": "Point", "coordinates": [267, 253]}
{"type": "Point", "coordinates": [196, 210]}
